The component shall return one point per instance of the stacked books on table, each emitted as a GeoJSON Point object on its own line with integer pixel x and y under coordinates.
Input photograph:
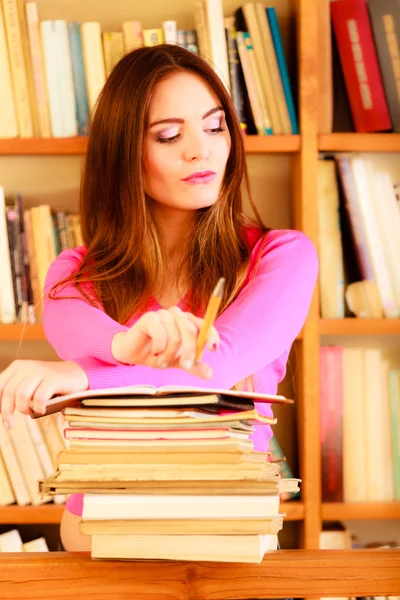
{"type": "Point", "coordinates": [170, 473]}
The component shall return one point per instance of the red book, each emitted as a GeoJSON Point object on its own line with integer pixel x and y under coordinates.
{"type": "Point", "coordinates": [360, 67]}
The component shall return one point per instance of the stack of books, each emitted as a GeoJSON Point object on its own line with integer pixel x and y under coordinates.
{"type": "Point", "coordinates": [170, 473]}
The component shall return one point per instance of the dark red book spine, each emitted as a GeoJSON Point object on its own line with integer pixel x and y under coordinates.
{"type": "Point", "coordinates": [358, 59]}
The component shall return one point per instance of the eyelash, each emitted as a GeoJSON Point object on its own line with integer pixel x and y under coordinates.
{"type": "Point", "coordinates": [176, 137]}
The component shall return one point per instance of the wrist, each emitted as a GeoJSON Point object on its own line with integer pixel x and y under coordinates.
{"type": "Point", "coordinates": [78, 373]}
{"type": "Point", "coordinates": [118, 344]}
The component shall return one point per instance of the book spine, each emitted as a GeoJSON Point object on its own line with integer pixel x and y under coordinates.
{"type": "Point", "coordinates": [360, 66]}
{"type": "Point", "coordinates": [7, 299]}
{"type": "Point", "coordinates": [273, 68]}
{"type": "Point", "coordinates": [18, 70]}
{"type": "Point", "coordinates": [169, 29]}
{"type": "Point", "coordinates": [38, 70]}
{"type": "Point", "coordinates": [15, 263]}
{"type": "Point", "coordinates": [280, 56]}
{"type": "Point", "coordinates": [79, 78]}
{"type": "Point", "coordinates": [216, 30]}
{"type": "Point", "coordinates": [385, 21]}
{"type": "Point", "coordinates": [59, 78]}
{"type": "Point", "coordinates": [394, 395]}
{"type": "Point", "coordinates": [8, 117]}
{"type": "Point", "coordinates": [153, 37]}
{"type": "Point", "coordinates": [331, 406]}
{"type": "Point", "coordinates": [330, 243]}
{"type": "Point", "coordinates": [357, 226]}
{"type": "Point", "coordinates": [235, 71]}
{"type": "Point", "coordinates": [93, 60]}
{"type": "Point", "coordinates": [113, 47]}
{"type": "Point", "coordinates": [133, 35]}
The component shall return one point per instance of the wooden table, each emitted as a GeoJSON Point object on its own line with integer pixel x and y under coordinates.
{"type": "Point", "coordinates": [285, 573]}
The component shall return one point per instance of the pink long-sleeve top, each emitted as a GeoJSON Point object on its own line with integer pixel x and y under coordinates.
{"type": "Point", "coordinates": [257, 330]}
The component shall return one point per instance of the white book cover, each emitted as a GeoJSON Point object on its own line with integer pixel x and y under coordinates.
{"type": "Point", "coordinates": [8, 115]}
{"type": "Point", "coordinates": [126, 506]}
{"type": "Point", "coordinates": [60, 83]}
{"type": "Point", "coordinates": [13, 468]}
{"type": "Point", "coordinates": [93, 59]}
{"type": "Point", "coordinates": [7, 302]}
{"type": "Point", "coordinates": [169, 28]}
{"type": "Point", "coordinates": [38, 545]}
{"type": "Point", "coordinates": [11, 541]}
{"type": "Point", "coordinates": [374, 240]}
{"type": "Point", "coordinates": [216, 30]}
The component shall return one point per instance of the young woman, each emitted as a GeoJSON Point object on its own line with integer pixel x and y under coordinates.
{"type": "Point", "coordinates": [162, 220]}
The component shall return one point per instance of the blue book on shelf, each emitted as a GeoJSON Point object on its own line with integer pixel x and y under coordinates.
{"type": "Point", "coordinates": [78, 71]}
{"type": "Point", "coordinates": [280, 56]}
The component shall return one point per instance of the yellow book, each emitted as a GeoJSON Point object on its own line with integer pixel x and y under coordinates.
{"type": "Point", "coordinates": [113, 46]}
{"type": "Point", "coordinates": [18, 70]}
{"type": "Point", "coordinates": [153, 37]}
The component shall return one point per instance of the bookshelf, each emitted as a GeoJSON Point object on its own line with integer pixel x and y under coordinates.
{"type": "Point", "coordinates": [280, 166]}
{"type": "Point", "coordinates": [52, 513]}
{"type": "Point", "coordinates": [77, 145]}
{"type": "Point", "coordinates": [364, 327]}
{"type": "Point", "coordinates": [337, 511]}
{"type": "Point", "coordinates": [359, 142]}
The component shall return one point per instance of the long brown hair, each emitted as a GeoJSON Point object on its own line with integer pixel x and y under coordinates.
{"type": "Point", "coordinates": [125, 255]}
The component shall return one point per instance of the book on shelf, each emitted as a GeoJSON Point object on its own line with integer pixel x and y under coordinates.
{"type": "Point", "coordinates": [11, 541]}
{"type": "Point", "coordinates": [182, 499]}
{"type": "Point", "coordinates": [30, 239]}
{"type": "Point", "coordinates": [359, 408]}
{"type": "Point", "coordinates": [27, 454]}
{"type": "Point", "coordinates": [358, 80]}
{"type": "Point", "coordinates": [359, 238]}
{"type": "Point", "coordinates": [57, 69]}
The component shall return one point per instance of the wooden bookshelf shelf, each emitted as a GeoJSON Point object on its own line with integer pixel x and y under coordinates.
{"type": "Point", "coordinates": [359, 142]}
{"type": "Point", "coordinates": [294, 510]}
{"type": "Point", "coordinates": [77, 145]}
{"type": "Point", "coordinates": [271, 144]}
{"type": "Point", "coordinates": [18, 332]}
{"type": "Point", "coordinates": [51, 513]}
{"type": "Point", "coordinates": [336, 511]}
{"type": "Point", "coordinates": [360, 326]}
{"type": "Point", "coordinates": [43, 146]}
{"type": "Point", "coordinates": [34, 333]}
{"type": "Point", "coordinates": [19, 515]}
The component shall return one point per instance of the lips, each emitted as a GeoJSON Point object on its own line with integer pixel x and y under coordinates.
{"type": "Point", "coordinates": [200, 177]}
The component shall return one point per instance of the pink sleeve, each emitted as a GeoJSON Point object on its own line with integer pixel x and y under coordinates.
{"type": "Point", "coordinates": [73, 327]}
{"type": "Point", "coordinates": [255, 330]}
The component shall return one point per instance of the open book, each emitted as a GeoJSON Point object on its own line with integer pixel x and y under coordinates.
{"type": "Point", "coordinates": [149, 395]}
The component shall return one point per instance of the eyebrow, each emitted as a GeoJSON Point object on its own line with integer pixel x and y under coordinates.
{"type": "Point", "coordinates": [176, 120]}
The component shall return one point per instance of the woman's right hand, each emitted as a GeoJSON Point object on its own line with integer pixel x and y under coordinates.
{"type": "Point", "coordinates": [164, 339]}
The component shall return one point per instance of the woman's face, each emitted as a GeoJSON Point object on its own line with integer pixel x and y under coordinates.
{"type": "Point", "coordinates": [187, 145]}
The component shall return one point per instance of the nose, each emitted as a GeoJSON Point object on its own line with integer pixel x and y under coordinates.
{"type": "Point", "coordinates": [196, 148]}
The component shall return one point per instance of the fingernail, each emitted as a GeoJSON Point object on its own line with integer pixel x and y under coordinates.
{"type": "Point", "coordinates": [214, 347]}
{"type": "Point", "coordinates": [164, 364]}
{"type": "Point", "coordinates": [187, 364]}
